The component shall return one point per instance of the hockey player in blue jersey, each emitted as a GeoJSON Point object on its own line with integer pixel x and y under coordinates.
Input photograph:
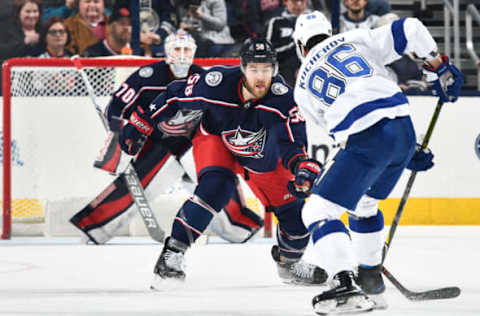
{"type": "Point", "coordinates": [166, 157]}
{"type": "Point", "coordinates": [250, 126]}
{"type": "Point", "coordinates": [344, 87]}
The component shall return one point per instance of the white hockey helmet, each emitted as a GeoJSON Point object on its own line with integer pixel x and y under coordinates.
{"type": "Point", "coordinates": [180, 49]}
{"type": "Point", "coordinates": [307, 26]}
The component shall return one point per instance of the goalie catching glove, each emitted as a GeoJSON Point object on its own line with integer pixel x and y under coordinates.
{"type": "Point", "coordinates": [306, 171]}
{"type": "Point", "coordinates": [446, 79]}
{"type": "Point", "coordinates": [134, 135]}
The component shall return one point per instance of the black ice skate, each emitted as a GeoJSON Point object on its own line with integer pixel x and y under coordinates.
{"type": "Point", "coordinates": [170, 264]}
{"type": "Point", "coordinates": [298, 272]}
{"type": "Point", "coordinates": [344, 298]}
{"type": "Point", "coordinates": [371, 281]}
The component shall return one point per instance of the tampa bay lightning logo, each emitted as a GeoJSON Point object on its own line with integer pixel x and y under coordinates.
{"type": "Point", "coordinates": [477, 146]}
{"type": "Point", "coordinates": [182, 123]}
{"type": "Point", "coordinates": [245, 143]}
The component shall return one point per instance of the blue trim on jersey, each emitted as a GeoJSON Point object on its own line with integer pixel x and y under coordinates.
{"type": "Point", "coordinates": [399, 38]}
{"type": "Point", "coordinates": [330, 227]}
{"type": "Point", "coordinates": [365, 108]}
{"type": "Point", "coordinates": [366, 225]}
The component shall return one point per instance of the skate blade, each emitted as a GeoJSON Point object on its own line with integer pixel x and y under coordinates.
{"type": "Point", "coordinates": [302, 283]}
{"type": "Point", "coordinates": [160, 284]}
{"type": "Point", "coordinates": [354, 305]}
{"type": "Point", "coordinates": [379, 300]}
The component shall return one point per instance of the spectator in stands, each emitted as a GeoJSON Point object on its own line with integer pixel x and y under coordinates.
{"type": "Point", "coordinates": [279, 33]}
{"type": "Point", "coordinates": [59, 8]}
{"type": "Point", "coordinates": [25, 36]}
{"type": "Point", "coordinates": [53, 38]}
{"type": "Point", "coordinates": [378, 7]}
{"type": "Point", "coordinates": [119, 34]}
{"type": "Point", "coordinates": [88, 26]}
{"type": "Point", "coordinates": [168, 24]}
{"type": "Point", "coordinates": [62, 8]}
{"type": "Point", "coordinates": [257, 13]}
{"type": "Point", "coordinates": [356, 16]}
{"type": "Point", "coordinates": [206, 20]}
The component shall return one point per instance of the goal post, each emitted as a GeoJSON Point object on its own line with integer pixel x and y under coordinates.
{"type": "Point", "coordinates": [51, 136]}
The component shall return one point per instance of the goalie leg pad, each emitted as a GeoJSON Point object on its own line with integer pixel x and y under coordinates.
{"type": "Point", "coordinates": [111, 157]}
{"type": "Point", "coordinates": [196, 213]}
{"type": "Point", "coordinates": [102, 217]}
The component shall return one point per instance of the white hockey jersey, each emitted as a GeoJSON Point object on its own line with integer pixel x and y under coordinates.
{"type": "Point", "coordinates": [343, 84]}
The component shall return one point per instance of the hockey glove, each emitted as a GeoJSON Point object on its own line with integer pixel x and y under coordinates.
{"type": "Point", "coordinates": [134, 135]}
{"type": "Point", "coordinates": [422, 160]}
{"type": "Point", "coordinates": [306, 171]}
{"type": "Point", "coordinates": [446, 80]}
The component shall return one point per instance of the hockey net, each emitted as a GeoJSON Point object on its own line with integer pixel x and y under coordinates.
{"type": "Point", "coordinates": [51, 135]}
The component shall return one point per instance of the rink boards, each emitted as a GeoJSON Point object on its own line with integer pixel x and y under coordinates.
{"type": "Point", "coordinates": [55, 140]}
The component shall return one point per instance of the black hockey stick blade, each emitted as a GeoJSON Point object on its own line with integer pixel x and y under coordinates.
{"type": "Point", "coordinates": [436, 294]}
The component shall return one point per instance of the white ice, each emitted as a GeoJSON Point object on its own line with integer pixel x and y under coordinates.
{"type": "Point", "coordinates": [40, 276]}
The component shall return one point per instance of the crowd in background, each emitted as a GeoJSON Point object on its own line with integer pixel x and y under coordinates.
{"type": "Point", "coordinates": [93, 28]}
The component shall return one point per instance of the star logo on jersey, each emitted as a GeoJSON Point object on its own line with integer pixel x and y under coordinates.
{"type": "Point", "coordinates": [245, 143]}
{"type": "Point", "coordinates": [152, 107]}
{"type": "Point", "coordinates": [182, 123]}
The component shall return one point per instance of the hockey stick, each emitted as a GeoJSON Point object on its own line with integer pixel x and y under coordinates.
{"type": "Point", "coordinates": [413, 175]}
{"type": "Point", "coordinates": [437, 294]}
{"type": "Point", "coordinates": [129, 175]}
{"type": "Point", "coordinates": [443, 293]}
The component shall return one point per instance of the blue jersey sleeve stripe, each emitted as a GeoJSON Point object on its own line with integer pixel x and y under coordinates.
{"type": "Point", "coordinates": [399, 39]}
{"type": "Point", "coordinates": [365, 108]}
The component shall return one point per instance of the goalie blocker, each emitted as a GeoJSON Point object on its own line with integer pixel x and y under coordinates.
{"type": "Point", "coordinates": [157, 169]}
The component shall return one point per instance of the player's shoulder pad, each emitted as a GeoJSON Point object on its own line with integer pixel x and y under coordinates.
{"type": "Point", "coordinates": [280, 96]}
{"type": "Point", "coordinates": [221, 75]}
{"type": "Point", "coordinates": [196, 69]}
{"type": "Point", "coordinates": [153, 73]}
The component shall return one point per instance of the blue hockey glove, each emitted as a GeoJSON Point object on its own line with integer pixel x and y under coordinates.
{"type": "Point", "coordinates": [446, 80]}
{"type": "Point", "coordinates": [134, 135]}
{"type": "Point", "coordinates": [306, 171]}
{"type": "Point", "coordinates": [422, 160]}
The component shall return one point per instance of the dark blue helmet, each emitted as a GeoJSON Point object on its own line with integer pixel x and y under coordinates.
{"type": "Point", "coordinates": [258, 50]}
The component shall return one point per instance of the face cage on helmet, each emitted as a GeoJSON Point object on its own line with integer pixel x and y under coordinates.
{"type": "Point", "coordinates": [179, 66]}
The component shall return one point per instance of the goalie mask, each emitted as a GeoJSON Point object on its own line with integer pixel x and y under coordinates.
{"type": "Point", "coordinates": [257, 50]}
{"type": "Point", "coordinates": [307, 26]}
{"type": "Point", "coordinates": [180, 49]}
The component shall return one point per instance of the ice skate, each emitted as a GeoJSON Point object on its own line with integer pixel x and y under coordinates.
{"type": "Point", "coordinates": [170, 265]}
{"type": "Point", "coordinates": [371, 281]}
{"type": "Point", "coordinates": [299, 272]}
{"type": "Point", "coordinates": [344, 298]}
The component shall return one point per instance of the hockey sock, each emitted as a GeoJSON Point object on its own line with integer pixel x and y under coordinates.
{"type": "Point", "coordinates": [211, 195]}
{"type": "Point", "coordinates": [332, 246]}
{"type": "Point", "coordinates": [367, 238]}
{"type": "Point", "coordinates": [292, 235]}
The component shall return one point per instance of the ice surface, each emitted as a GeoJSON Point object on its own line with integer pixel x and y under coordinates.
{"type": "Point", "coordinates": [40, 276]}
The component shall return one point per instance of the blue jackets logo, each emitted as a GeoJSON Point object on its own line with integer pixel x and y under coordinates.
{"type": "Point", "coordinates": [245, 143]}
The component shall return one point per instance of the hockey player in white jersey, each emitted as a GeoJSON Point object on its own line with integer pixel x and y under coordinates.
{"type": "Point", "coordinates": [344, 87]}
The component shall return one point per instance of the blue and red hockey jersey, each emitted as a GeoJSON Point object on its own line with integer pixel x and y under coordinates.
{"type": "Point", "coordinates": [142, 87]}
{"type": "Point", "coordinates": [257, 132]}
